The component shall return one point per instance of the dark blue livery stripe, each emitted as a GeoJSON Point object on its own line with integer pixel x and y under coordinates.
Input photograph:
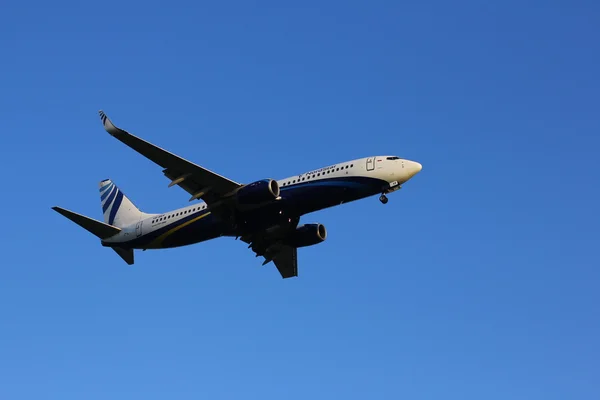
{"type": "Point", "coordinates": [109, 200]}
{"type": "Point", "coordinates": [115, 208]}
{"type": "Point", "coordinates": [103, 195]}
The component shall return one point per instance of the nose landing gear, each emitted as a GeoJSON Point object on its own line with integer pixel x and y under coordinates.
{"type": "Point", "coordinates": [383, 199]}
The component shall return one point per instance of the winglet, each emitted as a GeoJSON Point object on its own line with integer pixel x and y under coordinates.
{"type": "Point", "coordinates": [108, 125]}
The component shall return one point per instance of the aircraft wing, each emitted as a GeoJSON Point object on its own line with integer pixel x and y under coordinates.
{"type": "Point", "coordinates": [286, 261]}
{"type": "Point", "coordinates": [283, 256]}
{"type": "Point", "coordinates": [199, 182]}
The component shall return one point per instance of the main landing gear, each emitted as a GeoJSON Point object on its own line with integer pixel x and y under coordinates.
{"type": "Point", "coordinates": [383, 198]}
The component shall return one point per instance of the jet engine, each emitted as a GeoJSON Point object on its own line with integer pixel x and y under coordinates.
{"type": "Point", "coordinates": [258, 192]}
{"type": "Point", "coordinates": [307, 235]}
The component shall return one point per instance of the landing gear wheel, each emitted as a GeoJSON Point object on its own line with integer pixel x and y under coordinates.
{"type": "Point", "coordinates": [383, 198]}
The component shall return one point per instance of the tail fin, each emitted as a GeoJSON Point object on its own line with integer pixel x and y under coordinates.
{"type": "Point", "coordinates": [118, 210]}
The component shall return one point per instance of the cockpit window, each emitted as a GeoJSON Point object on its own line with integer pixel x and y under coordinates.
{"type": "Point", "coordinates": [393, 158]}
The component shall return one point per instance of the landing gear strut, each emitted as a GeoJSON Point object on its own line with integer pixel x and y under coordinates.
{"type": "Point", "coordinates": [383, 198]}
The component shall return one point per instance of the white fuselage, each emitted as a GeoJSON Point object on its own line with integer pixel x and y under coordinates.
{"type": "Point", "coordinates": [389, 171]}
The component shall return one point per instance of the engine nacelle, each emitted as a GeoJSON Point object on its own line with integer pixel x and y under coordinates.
{"type": "Point", "coordinates": [258, 192]}
{"type": "Point", "coordinates": [307, 235]}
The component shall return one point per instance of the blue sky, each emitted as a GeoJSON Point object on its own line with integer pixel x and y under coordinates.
{"type": "Point", "coordinates": [479, 279]}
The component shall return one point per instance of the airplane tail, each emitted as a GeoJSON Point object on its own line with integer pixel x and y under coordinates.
{"type": "Point", "coordinates": [98, 229]}
{"type": "Point", "coordinates": [118, 210]}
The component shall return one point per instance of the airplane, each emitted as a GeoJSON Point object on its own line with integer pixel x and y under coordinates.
{"type": "Point", "coordinates": [264, 214]}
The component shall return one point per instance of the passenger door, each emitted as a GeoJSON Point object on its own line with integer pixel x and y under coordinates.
{"type": "Point", "coordinates": [370, 163]}
{"type": "Point", "coordinates": [138, 229]}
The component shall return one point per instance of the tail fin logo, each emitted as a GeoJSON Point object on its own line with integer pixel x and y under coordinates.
{"type": "Point", "coordinates": [111, 198]}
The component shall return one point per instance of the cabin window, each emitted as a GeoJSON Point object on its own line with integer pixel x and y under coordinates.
{"type": "Point", "coordinates": [351, 165]}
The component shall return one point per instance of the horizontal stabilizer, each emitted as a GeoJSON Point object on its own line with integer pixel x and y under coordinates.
{"type": "Point", "coordinates": [125, 254]}
{"type": "Point", "coordinates": [97, 228]}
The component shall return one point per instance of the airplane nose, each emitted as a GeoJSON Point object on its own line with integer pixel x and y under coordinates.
{"type": "Point", "coordinates": [414, 168]}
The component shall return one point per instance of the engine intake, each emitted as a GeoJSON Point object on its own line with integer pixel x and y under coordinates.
{"type": "Point", "coordinates": [258, 192]}
{"type": "Point", "coordinates": [307, 235]}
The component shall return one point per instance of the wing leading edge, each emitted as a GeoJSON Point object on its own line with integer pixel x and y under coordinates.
{"type": "Point", "coordinates": [199, 182]}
